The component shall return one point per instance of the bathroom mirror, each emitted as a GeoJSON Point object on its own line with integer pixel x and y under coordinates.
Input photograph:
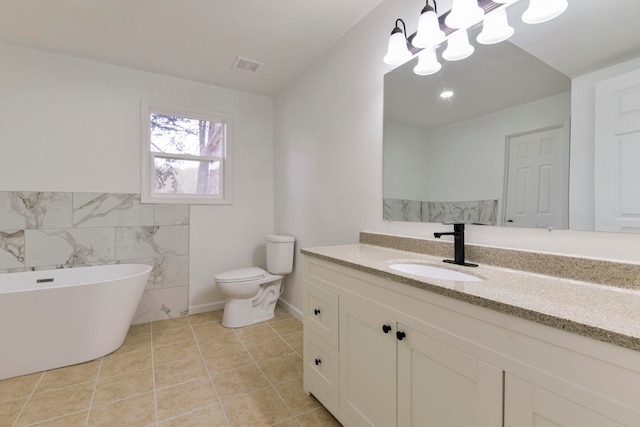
{"type": "Point", "coordinates": [449, 159]}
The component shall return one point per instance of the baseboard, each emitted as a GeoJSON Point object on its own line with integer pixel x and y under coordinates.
{"type": "Point", "coordinates": [203, 308]}
{"type": "Point", "coordinates": [295, 312]}
{"type": "Point", "coordinates": [219, 305]}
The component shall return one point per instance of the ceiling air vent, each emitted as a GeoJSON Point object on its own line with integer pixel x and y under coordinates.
{"type": "Point", "coordinates": [246, 64]}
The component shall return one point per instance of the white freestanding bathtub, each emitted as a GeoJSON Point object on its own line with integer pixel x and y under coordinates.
{"type": "Point", "coordinates": [55, 318]}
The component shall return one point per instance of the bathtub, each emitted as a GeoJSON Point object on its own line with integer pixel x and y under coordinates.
{"type": "Point", "coordinates": [55, 318]}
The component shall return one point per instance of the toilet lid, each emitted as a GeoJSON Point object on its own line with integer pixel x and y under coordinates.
{"type": "Point", "coordinates": [241, 275]}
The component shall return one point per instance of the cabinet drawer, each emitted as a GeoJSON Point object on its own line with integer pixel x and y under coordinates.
{"type": "Point", "coordinates": [321, 370]}
{"type": "Point", "coordinates": [321, 313]}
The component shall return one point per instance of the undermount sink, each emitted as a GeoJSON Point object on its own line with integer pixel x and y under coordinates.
{"type": "Point", "coordinates": [433, 272]}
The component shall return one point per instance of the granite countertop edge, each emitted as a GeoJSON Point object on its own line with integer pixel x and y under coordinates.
{"type": "Point", "coordinates": [599, 332]}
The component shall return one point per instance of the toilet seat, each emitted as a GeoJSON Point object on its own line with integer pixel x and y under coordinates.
{"type": "Point", "coordinates": [241, 275]}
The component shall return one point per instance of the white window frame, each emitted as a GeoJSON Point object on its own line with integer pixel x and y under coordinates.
{"type": "Point", "coordinates": [147, 156]}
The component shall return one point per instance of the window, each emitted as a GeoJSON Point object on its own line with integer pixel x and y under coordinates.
{"type": "Point", "coordinates": [185, 156]}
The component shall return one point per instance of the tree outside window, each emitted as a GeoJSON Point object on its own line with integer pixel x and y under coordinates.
{"type": "Point", "coordinates": [187, 157]}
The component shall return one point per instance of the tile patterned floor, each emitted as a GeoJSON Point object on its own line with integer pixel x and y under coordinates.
{"type": "Point", "coordinates": [182, 372]}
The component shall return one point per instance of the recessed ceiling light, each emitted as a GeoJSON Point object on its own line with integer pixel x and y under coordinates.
{"type": "Point", "coordinates": [246, 64]}
{"type": "Point", "coordinates": [446, 94]}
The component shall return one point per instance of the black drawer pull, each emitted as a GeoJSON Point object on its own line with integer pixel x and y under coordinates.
{"type": "Point", "coordinates": [386, 329]}
{"type": "Point", "coordinates": [316, 311]}
{"type": "Point", "coordinates": [318, 361]}
{"type": "Point", "coordinates": [400, 335]}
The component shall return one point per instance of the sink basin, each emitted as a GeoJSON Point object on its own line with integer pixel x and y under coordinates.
{"type": "Point", "coordinates": [433, 272]}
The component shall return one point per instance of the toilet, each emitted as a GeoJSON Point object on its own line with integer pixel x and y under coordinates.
{"type": "Point", "coordinates": [251, 293]}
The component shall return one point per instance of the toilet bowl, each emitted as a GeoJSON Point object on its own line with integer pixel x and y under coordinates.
{"type": "Point", "coordinates": [252, 293]}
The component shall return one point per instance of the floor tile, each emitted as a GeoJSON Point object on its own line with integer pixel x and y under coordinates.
{"type": "Point", "coordinates": [292, 422]}
{"type": "Point", "coordinates": [124, 386]}
{"type": "Point", "coordinates": [136, 411]}
{"type": "Point", "coordinates": [222, 341]}
{"type": "Point", "coordinates": [9, 411]}
{"type": "Point", "coordinates": [118, 364]}
{"type": "Point", "coordinates": [260, 408]}
{"type": "Point", "coordinates": [268, 349]}
{"type": "Point", "coordinates": [286, 327]}
{"type": "Point", "coordinates": [140, 329]}
{"type": "Point", "coordinates": [186, 397]}
{"type": "Point", "coordinates": [135, 343]}
{"type": "Point", "coordinates": [179, 371]}
{"type": "Point", "coordinates": [226, 360]}
{"type": "Point", "coordinates": [23, 386]}
{"type": "Point", "coordinates": [295, 397]}
{"type": "Point", "coordinates": [56, 403]}
{"type": "Point", "coordinates": [318, 418]}
{"type": "Point", "coordinates": [295, 341]}
{"type": "Point", "coordinates": [70, 375]}
{"type": "Point", "coordinates": [173, 352]}
{"type": "Point", "coordinates": [78, 419]}
{"type": "Point", "coordinates": [172, 336]}
{"type": "Point", "coordinates": [283, 368]}
{"type": "Point", "coordinates": [211, 416]}
{"type": "Point", "coordinates": [164, 325]}
{"type": "Point", "coordinates": [258, 332]}
{"type": "Point", "coordinates": [239, 381]}
{"type": "Point", "coordinates": [180, 358]}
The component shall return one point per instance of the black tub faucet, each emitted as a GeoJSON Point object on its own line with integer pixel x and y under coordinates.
{"type": "Point", "coordinates": [458, 245]}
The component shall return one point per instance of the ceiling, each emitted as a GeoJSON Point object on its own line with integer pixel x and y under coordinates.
{"type": "Point", "coordinates": [192, 39]}
{"type": "Point", "coordinates": [200, 39]}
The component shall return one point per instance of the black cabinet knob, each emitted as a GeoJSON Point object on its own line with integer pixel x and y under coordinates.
{"type": "Point", "coordinates": [316, 311]}
{"type": "Point", "coordinates": [400, 335]}
{"type": "Point", "coordinates": [318, 361]}
{"type": "Point", "coordinates": [386, 328]}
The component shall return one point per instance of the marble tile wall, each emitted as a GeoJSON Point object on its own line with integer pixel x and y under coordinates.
{"type": "Point", "coordinates": [45, 230]}
{"type": "Point", "coordinates": [470, 212]}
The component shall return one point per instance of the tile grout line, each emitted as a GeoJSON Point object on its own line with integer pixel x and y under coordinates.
{"type": "Point", "coordinates": [28, 399]}
{"type": "Point", "coordinates": [93, 395]}
{"type": "Point", "coordinates": [224, 412]}
{"type": "Point", "coordinates": [153, 375]}
{"type": "Point", "coordinates": [293, 416]}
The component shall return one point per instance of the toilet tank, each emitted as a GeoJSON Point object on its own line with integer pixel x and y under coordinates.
{"type": "Point", "coordinates": [280, 253]}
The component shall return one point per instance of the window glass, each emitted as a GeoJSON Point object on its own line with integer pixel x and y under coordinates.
{"type": "Point", "coordinates": [185, 157]}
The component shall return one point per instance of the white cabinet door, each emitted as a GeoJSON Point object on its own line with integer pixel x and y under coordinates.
{"type": "Point", "coordinates": [527, 405]}
{"type": "Point", "coordinates": [441, 386]}
{"type": "Point", "coordinates": [367, 366]}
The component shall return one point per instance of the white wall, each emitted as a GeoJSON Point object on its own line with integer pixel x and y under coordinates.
{"type": "Point", "coordinates": [407, 162]}
{"type": "Point", "coordinates": [328, 164]}
{"type": "Point", "coordinates": [464, 161]}
{"type": "Point", "coordinates": [73, 125]}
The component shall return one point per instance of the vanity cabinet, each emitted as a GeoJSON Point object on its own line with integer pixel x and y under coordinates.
{"type": "Point", "coordinates": [391, 372]}
{"type": "Point", "coordinates": [382, 353]}
{"type": "Point", "coordinates": [528, 405]}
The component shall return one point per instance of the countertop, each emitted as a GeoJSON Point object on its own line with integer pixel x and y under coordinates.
{"type": "Point", "coordinates": [606, 313]}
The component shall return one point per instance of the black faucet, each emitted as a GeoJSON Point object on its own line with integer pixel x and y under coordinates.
{"type": "Point", "coordinates": [458, 244]}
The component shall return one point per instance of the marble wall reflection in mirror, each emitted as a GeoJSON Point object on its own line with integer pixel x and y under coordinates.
{"type": "Point", "coordinates": [449, 159]}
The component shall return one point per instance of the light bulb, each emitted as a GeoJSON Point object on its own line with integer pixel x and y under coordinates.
{"type": "Point", "coordinates": [458, 46]}
{"type": "Point", "coordinates": [495, 28]}
{"type": "Point", "coordinates": [427, 63]}
{"type": "Point", "coordinates": [398, 52]}
{"type": "Point", "coordinates": [543, 10]}
{"type": "Point", "coordinates": [429, 33]}
{"type": "Point", "coordinates": [464, 14]}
